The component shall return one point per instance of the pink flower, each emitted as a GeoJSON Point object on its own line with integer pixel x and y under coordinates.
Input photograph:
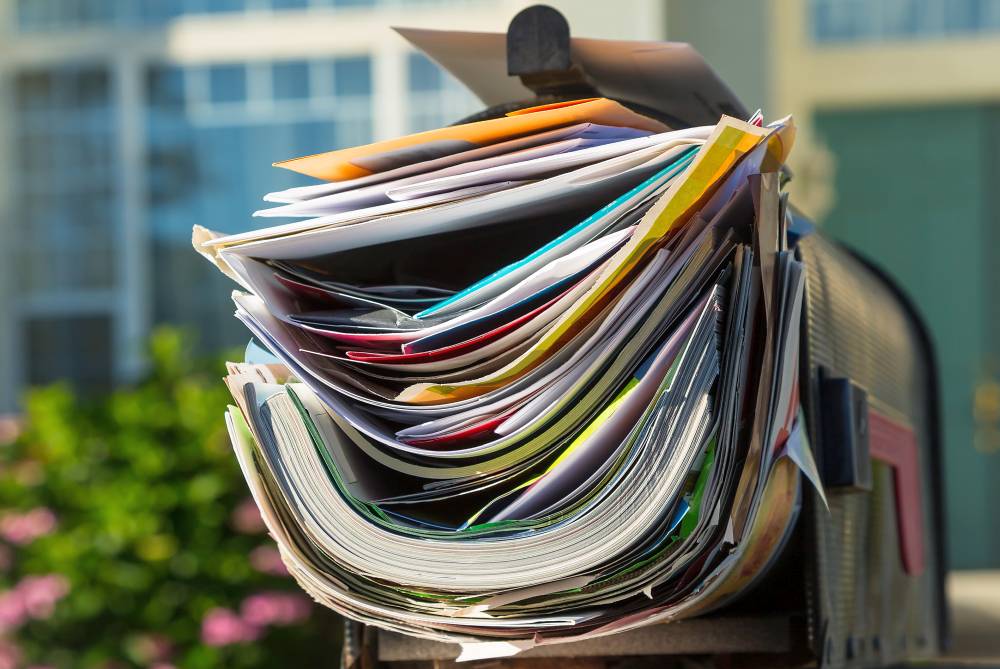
{"type": "Point", "coordinates": [10, 655]}
{"type": "Point", "coordinates": [33, 597]}
{"type": "Point", "coordinates": [267, 560]}
{"type": "Point", "coordinates": [12, 613]}
{"type": "Point", "coordinates": [222, 627]}
{"type": "Point", "coordinates": [275, 608]}
{"type": "Point", "coordinates": [246, 518]}
{"type": "Point", "coordinates": [24, 528]}
{"type": "Point", "coordinates": [40, 594]}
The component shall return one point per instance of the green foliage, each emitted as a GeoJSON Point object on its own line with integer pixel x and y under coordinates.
{"type": "Point", "coordinates": [142, 484]}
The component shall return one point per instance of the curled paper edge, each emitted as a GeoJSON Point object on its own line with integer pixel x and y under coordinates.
{"type": "Point", "coordinates": [200, 238]}
{"type": "Point", "coordinates": [520, 594]}
{"type": "Point", "coordinates": [488, 650]}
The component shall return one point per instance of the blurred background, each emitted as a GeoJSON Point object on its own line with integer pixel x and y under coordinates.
{"type": "Point", "coordinates": [124, 122]}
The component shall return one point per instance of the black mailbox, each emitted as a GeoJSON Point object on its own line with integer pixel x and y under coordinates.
{"type": "Point", "coordinates": [861, 584]}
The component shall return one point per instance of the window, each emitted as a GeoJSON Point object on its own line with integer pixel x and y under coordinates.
{"type": "Point", "coordinates": [66, 346]}
{"type": "Point", "coordinates": [217, 6]}
{"type": "Point", "coordinates": [859, 20]}
{"type": "Point", "coordinates": [290, 80]}
{"type": "Point", "coordinates": [425, 75]}
{"type": "Point", "coordinates": [227, 83]}
{"type": "Point", "coordinates": [33, 90]}
{"type": "Point", "coordinates": [351, 3]}
{"type": "Point", "coordinates": [165, 87]}
{"type": "Point", "coordinates": [64, 15]}
{"type": "Point", "coordinates": [64, 137]}
{"type": "Point", "coordinates": [159, 11]}
{"type": "Point", "coordinates": [352, 76]}
{"type": "Point", "coordinates": [41, 15]}
{"type": "Point", "coordinates": [64, 172]}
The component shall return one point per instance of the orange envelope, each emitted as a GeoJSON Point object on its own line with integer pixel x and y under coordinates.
{"type": "Point", "coordinates": [361, 161]}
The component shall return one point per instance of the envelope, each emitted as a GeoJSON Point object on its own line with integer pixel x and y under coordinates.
{"type": "Point", "coordinates": [362, 161]}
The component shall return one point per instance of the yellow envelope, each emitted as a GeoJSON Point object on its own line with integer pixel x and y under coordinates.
{"type": "Point", "coordinates": [361, 161]}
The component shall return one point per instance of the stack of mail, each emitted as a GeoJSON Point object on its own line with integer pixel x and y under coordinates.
{"type": "Point", "coordinates": [525, 380]}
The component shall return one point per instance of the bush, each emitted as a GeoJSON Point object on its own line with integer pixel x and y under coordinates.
{"type": "Point", "coordinates": [127, 538]}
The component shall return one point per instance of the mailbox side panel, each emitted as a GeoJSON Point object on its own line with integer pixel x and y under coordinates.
{"type": "Point", "coordinates": [876, 582]}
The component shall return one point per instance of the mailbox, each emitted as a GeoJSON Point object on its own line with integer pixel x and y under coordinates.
{"type": "Point", "coordinates": [861, 582]}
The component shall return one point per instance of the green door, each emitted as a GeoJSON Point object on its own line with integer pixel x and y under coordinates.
{"type": "Point", "coordinates": [916, 193]}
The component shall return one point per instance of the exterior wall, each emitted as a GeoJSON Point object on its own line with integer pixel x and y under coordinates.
{"type": "Point", "coordinates": [719, 30]}
{"type": "Point", "coordinates": [915, 202]}
{"type": "Point", "coordinates": [945, 66]}
{"type": "Point", "coordinates": [911, 186]}
{"type": "Point", "coordinates": [895, 103]}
